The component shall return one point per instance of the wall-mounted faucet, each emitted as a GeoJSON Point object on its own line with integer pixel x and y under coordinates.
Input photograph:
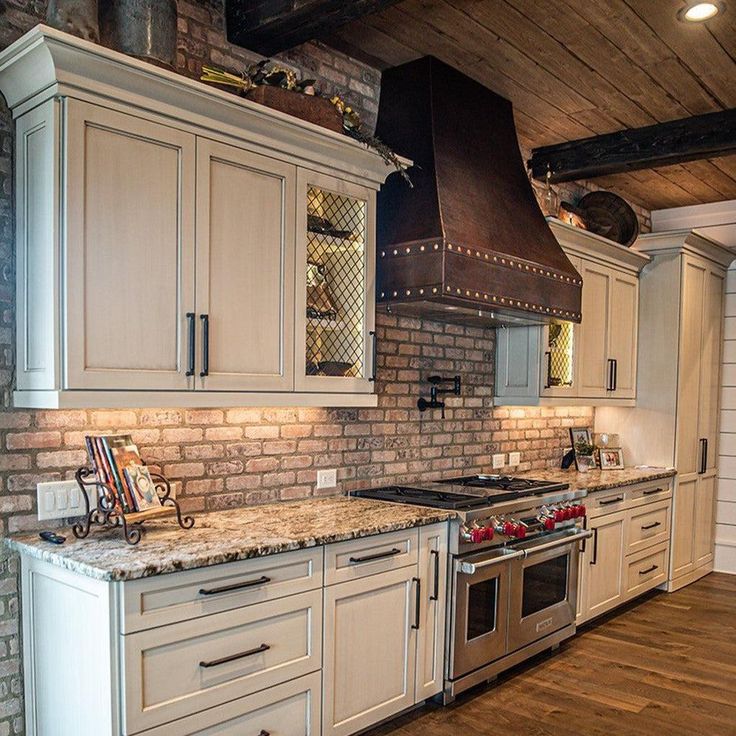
{"type": "Point", "coordinates": [435, 391]}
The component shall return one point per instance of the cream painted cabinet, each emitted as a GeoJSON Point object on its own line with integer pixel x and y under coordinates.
{"type": "Point", "coordinates": [676, 419]}
{"type": "Point", "coordinates": [129, 256]}
{"type": "Point", "coordinates": [594, 362]}
{"type": "Point", "coordinates": [245, 270]}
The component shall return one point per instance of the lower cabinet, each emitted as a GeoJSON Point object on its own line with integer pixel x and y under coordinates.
{"type": "Point", "coordinates": [628, 553]}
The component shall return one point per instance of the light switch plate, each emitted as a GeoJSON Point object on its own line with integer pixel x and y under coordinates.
{"type": "Point", "coordinates": [327, 478]}
{"type": "Point", "coordinates": [499, 461]}
{"type": "Point", "coordinates": [59, 500]}
{"type": "Point", "coordinates": [514, 459]}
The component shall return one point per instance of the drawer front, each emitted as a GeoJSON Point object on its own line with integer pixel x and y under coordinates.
{"type": "Point", "coordinates": [646, 570]}
{"type": "Point", "coordinates": [606, 502]}
{"type": "Point", "coordinates": [177, 670]}
{"type": "Point", "coordinates": [358, 558]}
{"type": "Point", "coordinates": [649, 525]}
{"type": "Point", "coordinates": [292, 709]}
{"type": "Point", "coordinates": [650, 492]}
{"type": "Point", "coordinates": [181, 596]}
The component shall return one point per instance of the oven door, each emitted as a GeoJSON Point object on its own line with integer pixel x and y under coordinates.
{"type": "Point", "coordinates": [479, 617]}
{"type": "Point", "coordinates": [544, 588]}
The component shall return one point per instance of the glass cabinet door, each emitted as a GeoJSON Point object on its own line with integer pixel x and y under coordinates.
{"type": "Point", "coordinates": [558, 359]}
{"type": "Point", "coordinates": [335, 285]}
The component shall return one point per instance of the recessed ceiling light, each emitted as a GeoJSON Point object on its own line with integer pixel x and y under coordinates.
{"type": "Point", "coordinates": [700, 12]}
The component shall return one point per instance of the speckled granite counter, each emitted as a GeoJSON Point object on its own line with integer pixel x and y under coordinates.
{"type": "Point", "coordinates": [601, 480]}
{"type": "Point", "coordinates": [226, 536]}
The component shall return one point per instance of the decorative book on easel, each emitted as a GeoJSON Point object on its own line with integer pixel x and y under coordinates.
{"type": "Point", "coordinates": [118, 465]}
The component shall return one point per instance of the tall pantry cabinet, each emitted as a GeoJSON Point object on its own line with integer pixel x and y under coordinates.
{"type": "Point", "coordinates": [675, 422]}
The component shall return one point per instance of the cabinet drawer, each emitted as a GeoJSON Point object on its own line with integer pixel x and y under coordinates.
{"type": "Point", "coordinates": [358, 558]}
{"type": "Point", "coordinates": [292, 709]}
{"type": "Point", "coordinates": [650, 492]}
{"type": "Point", "coordinates": [646, 570]}
{"type": "Point", "coordinates": [648, 526]}
{"type": "Point", "coordinates": [606, 502]}
{"type": "Point", "coordinates": [177, 670]}
{"type": "Point", "coordinates": [180, 596]}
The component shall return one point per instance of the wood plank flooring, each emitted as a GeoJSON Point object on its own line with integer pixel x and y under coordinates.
{"type": "Point", "coordinates": [665, 666]}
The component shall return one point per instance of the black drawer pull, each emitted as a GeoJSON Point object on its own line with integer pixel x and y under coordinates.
{"type": "Point", "coordinates": [651, 526]}
{"type": "Point", "coordinates": [379, 556]}
{"type": "Point", "coordinates": [648, 570]}
{"type": "Point", "coordinates": [653, 491]}
{"type": "Point", "coordinates": [235, 586]}
{"type": "Point", "coordinates": [610, 501]}
{"type": "Point", "coordinates": [436, 591]}
{"type": "Point", "coordinates": [233, 657]}
{"type": "Point", "coordinates": [417, 604]}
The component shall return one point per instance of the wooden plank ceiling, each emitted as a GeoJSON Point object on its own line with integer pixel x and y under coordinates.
{"type": "Point", "coordinates": [576, 68]}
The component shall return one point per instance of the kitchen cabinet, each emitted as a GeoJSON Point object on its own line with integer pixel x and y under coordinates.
{"type": "Point", "coordinates": [324, 640]}
{"type": "Point", "coordinates": [675, 422]}
{"type": "Point", "coordinates": [628, 552]}
{"type": "Point", "coordinates": [160, 261]}
{"type": "Point", "coordinates": [593, 363]}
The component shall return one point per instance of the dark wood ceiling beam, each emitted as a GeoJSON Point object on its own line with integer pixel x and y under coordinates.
{"type": "Point", "coordinates": [663, 144]}
{"type": "Point", "coordinates": [271, 26]}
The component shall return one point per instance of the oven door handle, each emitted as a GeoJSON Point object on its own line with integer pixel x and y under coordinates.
{"type": "Point", "coordinates": [570, 539]}
{"type": "Point", "coordinates": [470, 568]}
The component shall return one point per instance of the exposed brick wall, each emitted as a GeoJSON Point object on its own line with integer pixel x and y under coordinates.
{"type": "Point", "coordinates": [230, 457]}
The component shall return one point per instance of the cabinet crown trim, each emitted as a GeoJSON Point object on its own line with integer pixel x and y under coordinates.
{"type": "Point", "coordinates": [45, 63]}
{"type": "Point", "coordinates": [684, 241]}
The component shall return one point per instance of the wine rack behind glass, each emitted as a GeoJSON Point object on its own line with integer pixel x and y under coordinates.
{"type": "Point", "coordinates": [335, 339]}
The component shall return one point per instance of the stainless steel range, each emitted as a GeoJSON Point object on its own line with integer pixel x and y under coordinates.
{"type": "Point", "coordinates": [513, 570]}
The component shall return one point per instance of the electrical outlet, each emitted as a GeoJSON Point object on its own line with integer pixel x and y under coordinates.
{"type": "Point", "coordinates": [59, 500]}
{"type": "Point", "coordinates": [499, 461]}
{"type": "Point", "coordinates": [327, 478]}
{"type": "Point", "coordinates": [514, 459]}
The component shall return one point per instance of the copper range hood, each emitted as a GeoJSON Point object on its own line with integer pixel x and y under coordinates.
{"type": "Point", "coordinates": [468, 243]}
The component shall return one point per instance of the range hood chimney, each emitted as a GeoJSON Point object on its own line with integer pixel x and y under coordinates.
{"type": "Point", "coordinates": [468, 243]}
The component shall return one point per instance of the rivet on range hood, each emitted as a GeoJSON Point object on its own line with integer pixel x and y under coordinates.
{"type": "Point", "coordinates": [468, 243]}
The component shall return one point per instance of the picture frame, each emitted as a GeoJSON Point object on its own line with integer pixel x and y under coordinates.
{"type": "Point", "coordinates": [612, 458]}
{"type": "Point", "coordinates": [580, 434]}
{"type": "Point", "coordinates": [584, 463]}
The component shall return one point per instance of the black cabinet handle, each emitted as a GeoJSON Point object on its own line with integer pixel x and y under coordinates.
{"type": "Point", "coordinates": [374, 355]}
{"type": "Point", "coordinates": [236, 586]}
{"type": "Point", "coordinates": [436, 591]}
{"type": "Point", "coordinates": [190, 344]}
{"type": "Point", "coordinates": [379, 556]}
{"type": "Point", "coordinates": [648, 570]}
{"type": "Point", "coordinates": [615, 375]}
{"type": "Point", "coordinates": [417, 603]}
{"type": "Point", "coordinates": [205, 345]}
{"type": "Point", "coordinates": [233, 657]}
{"type": "Point", "coordinates": [618, 499]}
{"type": "Point", "coordinates": [705, 454]}
{"type": "Point", "coordinates": [594, 561]}
{"type": "Point", "coordinates": [653, 491]}
{"type": "Point", "coordinates": [609, 375]}
{"type": "Point", "coordinates": [548, 358]}
{"type": "Point", "coordinates": [651, 526]}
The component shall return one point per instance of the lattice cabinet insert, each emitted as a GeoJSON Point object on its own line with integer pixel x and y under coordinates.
{"type": "Point", "coordinates": [560, 354]}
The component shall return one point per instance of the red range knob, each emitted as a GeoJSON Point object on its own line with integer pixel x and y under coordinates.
{"type": "Point", "coordinates": [477, 535]}
{"type": "Point", "coordinates": [568, 513]}
{"type": "Point", "coordinates": [488, 533]}
{"type": "Point", "coordinates": [509, 528]}
{"type": "Point", "coordinates": [582, 511]}
{"type": "Point", "coordinates": [559, 515]}
{"type": "Point", "coordinates": [549, 523]}
{"type": "Point", "coordinates": [520, 532]}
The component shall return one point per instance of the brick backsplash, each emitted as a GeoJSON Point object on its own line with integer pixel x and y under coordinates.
{"type": "Point", "coordinates": [222, 458]}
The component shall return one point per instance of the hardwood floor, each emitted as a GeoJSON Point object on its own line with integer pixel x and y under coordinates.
{"type": "Point", "coordinates": [666, 666]}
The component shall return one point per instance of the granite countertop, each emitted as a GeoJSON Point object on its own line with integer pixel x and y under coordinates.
{"type": "Point", "coordinates": [226, 536]}
{"type": "Point", "coordinates": [601, 480]}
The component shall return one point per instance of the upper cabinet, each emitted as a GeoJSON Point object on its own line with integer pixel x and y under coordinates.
{"type": "Point", "coordinates": [180, 246]}
{"type": "Point", "coordinates": [593, 362]}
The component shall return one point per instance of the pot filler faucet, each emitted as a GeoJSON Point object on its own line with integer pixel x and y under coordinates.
{"type": "Point", "coordinates": [436, 390]}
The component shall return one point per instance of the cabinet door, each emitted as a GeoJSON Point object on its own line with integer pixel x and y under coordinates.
{"type": "Point", "coordinates": [431, 632]}
{"type": "Point", "coordinates": [335, 285]}
{"type": "Point", "coordinates": [689, 369]}
{"type": "Point", "coordinates": [622, 333]}
{"type": "Point", "coordinates": [710, 364]}
{"type": "Point", "coordinates": [517, 363]}
{"type": "Point", "coordinates": [369, 650]}
{"type": "Point", "coordinates": [593, 367]}
{"type": "Point", "coordinates": [245, 269]}
{"type": "Point", "coordinates": [129, 251]}
{"type": "Point", "coordinates": [603, 562]}
{"type": "Point", "coordinates": [683, 516]}
{"type": "Point", "coordinates": [704, 520]}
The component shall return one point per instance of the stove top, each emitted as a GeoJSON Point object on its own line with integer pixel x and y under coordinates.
{"type": "Point", "coordinates": [425, 497]}
{"type": "Point", "coordinates": [504, 483]}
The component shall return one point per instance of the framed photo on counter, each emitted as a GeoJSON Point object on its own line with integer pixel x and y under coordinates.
{"type": "Point", "coordinates": [612, 458]}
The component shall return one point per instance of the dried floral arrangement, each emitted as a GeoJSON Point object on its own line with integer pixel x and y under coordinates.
{"type": "Point", "coordinates": [267, 73]}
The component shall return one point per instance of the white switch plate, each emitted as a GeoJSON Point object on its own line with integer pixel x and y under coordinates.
{"type": "Point", "coordinates": [59, 500]}
{"type": "Point", "coordinates": [327, 478]}
{"type": "Point", "coordinates": [514, 459]}
{"type": "Point", "coordinates": [499, 461]}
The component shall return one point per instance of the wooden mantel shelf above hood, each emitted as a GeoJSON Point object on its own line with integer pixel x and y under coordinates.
{"type": "Point", "coordinates": [468, 243]}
